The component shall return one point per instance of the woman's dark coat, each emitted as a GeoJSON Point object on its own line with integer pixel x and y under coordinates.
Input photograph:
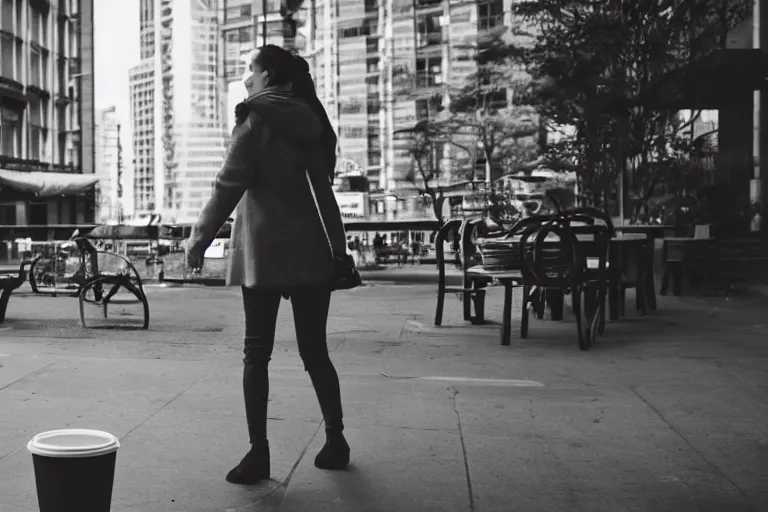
{"type": "Point", "coordinates": [277, 238]}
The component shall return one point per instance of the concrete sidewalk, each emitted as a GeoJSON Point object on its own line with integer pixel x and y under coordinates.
{"type": "Point", "coordinates": [668, 413]}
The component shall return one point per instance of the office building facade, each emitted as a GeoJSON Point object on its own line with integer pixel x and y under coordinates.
{"type": "Point", "coordinates": [46, 116]}
{"type": "Point", "coordinates": [176, 109]}
{"type": "Point", "coordinates": [108, 207]}
{"type": "Point", "coordinates": [382, 66]}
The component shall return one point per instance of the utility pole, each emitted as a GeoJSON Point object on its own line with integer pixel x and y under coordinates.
{"type": "Point", "coordinates": [264, 22]}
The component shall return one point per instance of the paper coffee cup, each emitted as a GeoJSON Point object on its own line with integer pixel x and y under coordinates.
{"type": "Point", "coordinates": [74, 469]}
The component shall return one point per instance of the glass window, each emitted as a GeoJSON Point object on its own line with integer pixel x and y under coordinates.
{"type": "Point", "coordinates": [6, 16]}
{"type": "Point", "coordinates": [44, 72]}
{"type": "Point", "coordinates": [490, 14]}
{"type": "Point", "coordinates": [34, 67]}
{"type": "Point", "coordinates": [10, 133]}
{"type": "Point", "coordinates": [34, 25]}
{"type": "Point", "coordinates": [6, 57]}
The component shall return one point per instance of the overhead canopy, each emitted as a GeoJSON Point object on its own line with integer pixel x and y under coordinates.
{"type": "Point", "coordinates": [721, 79]}
{"type": "Point", "coordinates": [46, 184]}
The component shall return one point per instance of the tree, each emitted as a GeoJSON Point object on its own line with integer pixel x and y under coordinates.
{"type": "Point", "coordinates": [592, 61]}
{"type": "Point", "coordinates": [502, 126]}
{"type": "Point", "coordinates": [426, 143]}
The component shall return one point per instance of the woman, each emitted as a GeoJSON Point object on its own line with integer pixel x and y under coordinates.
{"type": "Point", "coordinates": [279, 246]}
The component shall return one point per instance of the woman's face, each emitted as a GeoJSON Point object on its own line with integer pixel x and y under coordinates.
{"type": "Point", "coordinates": [257, 80]}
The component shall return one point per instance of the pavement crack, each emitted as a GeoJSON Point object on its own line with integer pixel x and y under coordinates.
{"type": "Point", "coordinates": [301, 456]}
{"type": "Point", "coordinates": [398, 377]}
{"type": "Point", "coordinates": [27, 375]}
{"type": "Point", "coordinates": [169, 402]}
{"type": "Point", "coordinates": [17, 450]}
{"type": "Point", "coordinates": [455, 392]}
{"type": "Point", "coordinates": [690, 445]}
{"type": "Point", "coordinates": [334, 349]}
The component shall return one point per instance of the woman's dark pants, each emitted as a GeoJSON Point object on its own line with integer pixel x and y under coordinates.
{"type": "Point", "coordinates": [310, 315]}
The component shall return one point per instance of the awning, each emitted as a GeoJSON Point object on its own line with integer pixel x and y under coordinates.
{"type": "Point", "coordinates": [46, 184]}
{"type": "Point", "coordinates": [721, 79]}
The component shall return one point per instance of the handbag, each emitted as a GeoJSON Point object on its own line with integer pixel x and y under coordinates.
{"type": "Point", "coordinates": [345, 275]}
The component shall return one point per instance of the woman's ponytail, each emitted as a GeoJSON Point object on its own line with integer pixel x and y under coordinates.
{"type": "Point", "coordinates": [304, 87]}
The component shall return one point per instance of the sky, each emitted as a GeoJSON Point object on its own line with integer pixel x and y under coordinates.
{"type": "Point", "coordinates": [116, 48]}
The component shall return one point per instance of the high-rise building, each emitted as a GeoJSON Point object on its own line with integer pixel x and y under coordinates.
{"type": "Point", "coordinates": [46, 116]}
{"type": "Point", "coordinates": [141, 81]}
{"type": "Point", "coordinates": [245, 26]}
{"type": "Point", "coordinates": [382, 66]}
{"type": "Point", "coordinates": [107, 153]}
{"type": "Point", "coordinates": [378, 66]}
{"type": "Point", "coordinates": [176, 109]}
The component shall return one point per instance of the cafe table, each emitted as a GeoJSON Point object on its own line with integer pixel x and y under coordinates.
{"type": "Point", "coordinates": [653, 232]}
{"type": "Point", "coordinates": [555, 298]}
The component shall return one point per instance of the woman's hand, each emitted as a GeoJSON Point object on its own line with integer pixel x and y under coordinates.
{"type": "Point", "coordinates": [195, 257]}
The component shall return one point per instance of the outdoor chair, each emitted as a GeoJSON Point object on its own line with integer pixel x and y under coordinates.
{"type": "Point", "coordinates": [501, 263]}
{"type": "Point", "coordinates": [687, 260]}
{"type": "Point", "coordinates": [48, 274]}
{"type": "Point", "coordinates": [628, 268]}
{"type": "Point", "coordinates": [471, 290]}
{"type": "Point", "coordinates": [8, 284]}
{"type": "Point", "coordinates": [553, 259]}
{"type": "Point", "coordinates": [95, 281]}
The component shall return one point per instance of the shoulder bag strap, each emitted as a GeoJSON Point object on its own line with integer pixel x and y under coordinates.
{"type": "Point", "coordinates": [319, 212]}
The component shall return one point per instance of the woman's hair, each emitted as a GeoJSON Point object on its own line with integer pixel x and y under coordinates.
{"type": "Point", "coordinates": [277, 62]}
{"type": "Point", "coordinates": [284, 67]}
{"type": "Point", "coordinates": [303, 86]}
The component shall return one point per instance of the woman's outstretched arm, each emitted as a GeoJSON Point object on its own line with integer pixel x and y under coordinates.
{"type": "Point", "coordinates": [231, 183]}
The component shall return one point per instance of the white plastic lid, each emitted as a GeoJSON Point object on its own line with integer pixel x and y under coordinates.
{"type": "Point", "coordinates": [75, 442]}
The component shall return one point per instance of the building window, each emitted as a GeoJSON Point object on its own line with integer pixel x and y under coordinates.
{"type": "Point", "coordinates": [44, 76]}
{"type": "Point", "coordinates": [490, 15]}
{"type": "Point", "coordinates": [240, 12]}
{"type": "Point", "coordinates": [428, 30]}
{"type": "Point", "coordinates": [8, 214]}
{"type": "Point", "coordinates": [37, 111]}
{"type": "Point", "coordinates": [38, 214]}
{"type": "Point", "coordinates": [271, 5]}
{"type": "Point", "coordinates": [6, 57]}
{"type": "Point", "coordinates": [6, 20]}
{"type": "Point", "coordinates": [429, 72]}
{"type": "Point", "coordinates": [10, 133]}
{"type": "Point", "coordinates": [34, 67]}
{"type": "Point", "coordinates": [427, 108]}
{"type": "Point", "coordinates": [352, 132]}
{"type": "Point", "coordinates": [19, 60]}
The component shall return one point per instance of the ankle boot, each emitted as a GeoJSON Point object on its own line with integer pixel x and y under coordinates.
{"type": "Point", "coordinates": [254, 466]}
{"type": "Point", "coordinates": [335, 453]}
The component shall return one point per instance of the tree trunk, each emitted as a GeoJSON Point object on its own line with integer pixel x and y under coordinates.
{"type": "Point", "coordinates": [437, 206]}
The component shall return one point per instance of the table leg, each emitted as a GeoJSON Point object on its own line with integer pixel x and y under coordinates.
{"type": "Point", "coordinates": [614, 301]}
{"type": "Point", "coordinates": [556, 303]}
{"type": "Point", "coordinates": [506, 322]}
{"type": "Point", "coordinates": [650, 280]}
